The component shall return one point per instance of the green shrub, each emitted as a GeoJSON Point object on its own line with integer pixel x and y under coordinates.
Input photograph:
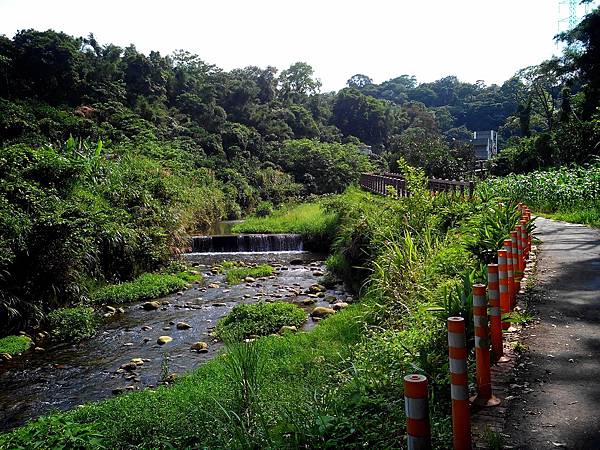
{"type": "Point", "coordinates": [73, 324]}
{"type": "Point", "coordinates": [259, 319]}
{"type": "Point", "coordinates": [13, 345]}
{"type": "Point", "coordinates": [264, 209]}
{"type": "Point", "coordinates": [144, 287]}
{"type": "Point", "coordinates": [236, 275]}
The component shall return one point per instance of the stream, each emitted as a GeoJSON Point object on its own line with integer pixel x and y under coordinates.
{"type": "Point", "coordinates": [64, 376]}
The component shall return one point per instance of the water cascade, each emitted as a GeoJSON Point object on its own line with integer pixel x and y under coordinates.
{"type": "Point", "coordinates": [247, 243]}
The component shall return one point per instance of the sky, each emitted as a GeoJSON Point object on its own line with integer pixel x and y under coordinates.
{"type": "Point", "coordinates": [472, 39]}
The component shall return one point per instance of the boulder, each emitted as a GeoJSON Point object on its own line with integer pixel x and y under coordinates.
{"type": "Point", "coordinates": [39, 349]}
{"type": "Point", "coordinates": [162, 340]}
{"type": "Point", "coordinates": [321, 311]}
{"type": "Point", "coordinates": [296, 262]}
{"type": "Point", "coordinates": [318, 273]}
{"type": "Point", "coordinates": [171, 378]}
{"type": "Point", "coordinates": [308, 301]}
{"type": "Point", "coordinates": [339, 305]}
{"type": "Point", "coordinates": [130, 366]}
{"type": "Point", "coordinates": [137, 361]}
{"type": "Point", "coordinates": [110, 309]}
{"type": "Point", "coordinates": [5, 356]}
{"type": "Point", "coordinates": [213, 286]}
{"type": "Point", "coordinates": [183, 326]}
{"type": "Point", "coordinates": [200, 346]}
{"type": "Point", "coordinates": [219, 304]}
{"type": "Point", "coordinates": [316, 288]}
{"type": "Point", "coordinates": [331, 299]}
{"type": "Point", "coordinates": [151, 306]}
{"type": "Point", "coordinates": [288, 328]}
{"type": "Point", "coordinates": [250, 280]}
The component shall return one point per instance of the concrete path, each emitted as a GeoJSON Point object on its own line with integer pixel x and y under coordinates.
{"type": "Point", "coordinates": [559, 407]}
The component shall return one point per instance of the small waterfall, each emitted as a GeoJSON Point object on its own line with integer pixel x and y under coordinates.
{"type": "Point", "coordinates": [247, 243]}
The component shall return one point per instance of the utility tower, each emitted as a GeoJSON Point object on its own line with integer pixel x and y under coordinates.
{"type": "Point", "coordinates": [567, 15]}
{"type": "Point", "coordinates": [570, 12]}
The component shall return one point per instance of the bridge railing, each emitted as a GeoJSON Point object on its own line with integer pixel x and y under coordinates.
{"type": "Point", "coordinates": [378, 184]}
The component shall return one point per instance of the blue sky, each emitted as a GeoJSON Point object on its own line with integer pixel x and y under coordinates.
{"type": "Point", "coordinates": [473, 39]}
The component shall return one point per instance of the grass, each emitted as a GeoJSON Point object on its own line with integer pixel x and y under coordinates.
{"type": "Point", "coordinates": [236, 275]}
{"type": "Point", "coordinates": [14, 345]}
{"type": "Point", "coordinates": [259, 319]}
{"type": "Point", "coordinates": [145, 287]}
{"type": "Point", "coordinates": [311, 220]}
{"type": "Point", "coordinates": [585, 214]}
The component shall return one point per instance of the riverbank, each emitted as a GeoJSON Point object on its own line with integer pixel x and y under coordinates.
{"type": "Point", "coordinates": [66, 375]}
{"type": "Point", "coordinates": [337, 385]}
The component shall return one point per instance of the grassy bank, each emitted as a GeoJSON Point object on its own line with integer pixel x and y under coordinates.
{"type": "Point", "coordinates": [316, 224]}
{"type": "Point", "coordinates": [14, 345]}
{"type": "Point", "coordinates": [339, 385]}
{"type": "Point", "coordinates": [145, 287]}
{"type": "Point", "coordinates": [236, 275]}
{"type": "Point", "coordinates": [570, 194]}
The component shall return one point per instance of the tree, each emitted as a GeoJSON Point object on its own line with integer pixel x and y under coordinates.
{"type": "Point", "coordinates": [587, 59]}
{"type": "Point", "coordinates": [297, 82]}
{"type": "Point", "coordinates": [359, 81]}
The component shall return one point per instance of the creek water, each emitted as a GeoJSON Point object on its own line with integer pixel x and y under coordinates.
{"type": "Point", "coordinates": [65, 376]}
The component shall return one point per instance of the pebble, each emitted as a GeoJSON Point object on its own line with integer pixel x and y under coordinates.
{"type": "Point", "coordinates": [183, 326]}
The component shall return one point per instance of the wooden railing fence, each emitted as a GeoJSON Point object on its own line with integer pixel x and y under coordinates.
{"type": "Point", "coordinates": [378, 183]}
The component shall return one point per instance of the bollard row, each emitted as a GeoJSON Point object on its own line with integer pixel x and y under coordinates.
{"type": "Point", "coordinates": [489, 303]}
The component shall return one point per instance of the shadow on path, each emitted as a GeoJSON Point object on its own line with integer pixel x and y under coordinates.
{"type": "Point", "coordinates": [562, 365]}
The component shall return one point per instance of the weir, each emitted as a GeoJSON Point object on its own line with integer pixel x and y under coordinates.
{"type": "Point", "coordinates": [247, 243]}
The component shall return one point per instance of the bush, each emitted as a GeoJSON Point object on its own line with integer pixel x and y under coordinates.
{"type": "Point", "coordinates": [73, 324]}
{"type": "Point", "coordinates": [259, 319]}
{"type": "Point", "coordinates": [144, 287]}
{"type": "Point", "coordinates": [264, 209]}
{"type": "Point", "coordinates": [13, 345]}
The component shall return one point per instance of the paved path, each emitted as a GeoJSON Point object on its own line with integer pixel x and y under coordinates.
{"type": "Point", "coordinates": [560, 405]}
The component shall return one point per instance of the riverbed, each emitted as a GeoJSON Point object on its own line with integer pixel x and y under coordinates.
{"type": "Point", "coordinates": [64, 376]}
